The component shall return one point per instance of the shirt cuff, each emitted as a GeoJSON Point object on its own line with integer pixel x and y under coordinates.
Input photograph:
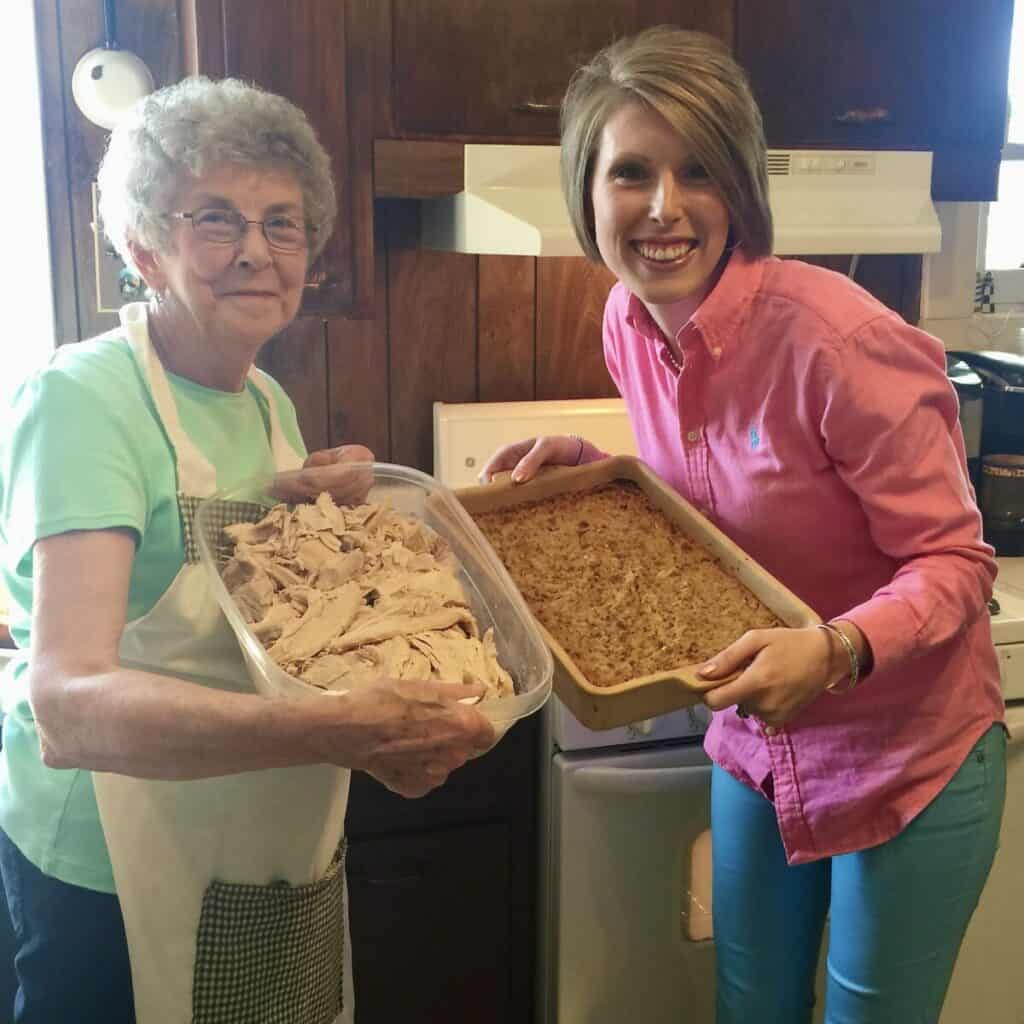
{"type": "Point", "coordinates": [889, 626]}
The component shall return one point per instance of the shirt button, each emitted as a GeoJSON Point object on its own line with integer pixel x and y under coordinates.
{"type": "Point", "coordinates": [692, 436]}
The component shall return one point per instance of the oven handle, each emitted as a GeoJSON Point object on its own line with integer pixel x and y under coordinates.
{"type": "Point", "coordinates": [639, 781]}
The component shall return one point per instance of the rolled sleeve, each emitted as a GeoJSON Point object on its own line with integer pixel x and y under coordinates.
{"type": "Point", "coordinates": [891, 429]}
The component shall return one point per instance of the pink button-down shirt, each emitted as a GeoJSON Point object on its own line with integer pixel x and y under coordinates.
{"type": "Point", "coordinates": [819, 431]}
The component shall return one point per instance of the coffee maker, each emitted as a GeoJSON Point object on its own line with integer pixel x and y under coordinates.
{"type": "Point", "coordinates": [1000, 486]}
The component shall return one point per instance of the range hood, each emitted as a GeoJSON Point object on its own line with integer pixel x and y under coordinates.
{"type": "Point", "coordinates": [823, 202]}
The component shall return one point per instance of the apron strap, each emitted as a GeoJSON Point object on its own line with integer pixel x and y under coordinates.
{"type": "Point", "coordinates": [197, 477]}
{"type": "Point", "coordinates": [285, 456]}
{"type": "Point", "coordinates": [196, 474]}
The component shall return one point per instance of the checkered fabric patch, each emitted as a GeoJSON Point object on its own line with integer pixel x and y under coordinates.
{"type": "Point", "coordinates": [271, 954]}
{"type": "Point", "coordinates": [984, 292]}
{"type": "Point", "coordinates": [221, 514]}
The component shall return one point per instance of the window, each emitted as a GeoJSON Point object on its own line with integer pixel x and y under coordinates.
{"type": "Point", "coordinates": [28, 311]}
{"type": "Point", "coordinates": [1001, 239]}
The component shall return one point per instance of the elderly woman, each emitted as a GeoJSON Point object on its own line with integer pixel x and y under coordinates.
{"type": "Point", "coordinates": [860, 765]}
{"type": "Point", "coordinates": [130, 692]}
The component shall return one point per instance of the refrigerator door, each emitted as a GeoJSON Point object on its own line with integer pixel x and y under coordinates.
{"type": "Point", "coordinates": [619, 910]}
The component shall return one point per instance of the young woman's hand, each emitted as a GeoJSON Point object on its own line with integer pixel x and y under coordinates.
{"type": "Point", "coordinates": [410, 735]}
{"type": "Point", "coordinates": [344, 472]}
{"type": "Point", "coordinates": [525, 458]}
{"type": "Point", "coordinates": [781, 671]}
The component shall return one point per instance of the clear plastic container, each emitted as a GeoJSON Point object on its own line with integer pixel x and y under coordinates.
{"type": "Point", "coordinates": [492, 596]}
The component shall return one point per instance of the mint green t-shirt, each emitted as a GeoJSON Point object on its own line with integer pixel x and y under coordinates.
{"type": "Point", "coordinates": [84, 449]}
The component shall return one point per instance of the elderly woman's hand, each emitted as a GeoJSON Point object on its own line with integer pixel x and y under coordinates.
{"type": "Point", "coordinates": [525, 458]}
{"type": "Point", "coordinates": [409, 734]}
{"type": "Point", "coordinates": [344, 472]}
{"type": "Point", "coordinates": [781, 671]}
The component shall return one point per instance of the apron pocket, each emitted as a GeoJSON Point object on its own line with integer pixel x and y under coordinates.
{"type": "Point", "coordinates": [271, 954]}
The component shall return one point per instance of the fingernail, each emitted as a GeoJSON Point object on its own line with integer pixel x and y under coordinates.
{"type": "Point", "coordinates": [517, 477]}
{"type": "Point", "coordinates": [709, 667]}
{"type": "Point", "coordinates": [770, 730]}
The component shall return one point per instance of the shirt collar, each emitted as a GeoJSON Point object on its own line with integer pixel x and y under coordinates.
{"type": "Point", "coordinates": [719, 317]}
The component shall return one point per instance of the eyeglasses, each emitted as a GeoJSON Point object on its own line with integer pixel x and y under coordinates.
{"type": "Point", "coordinates": [221, 226]}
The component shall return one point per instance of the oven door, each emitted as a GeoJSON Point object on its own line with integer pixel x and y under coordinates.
{"type": "Point", "coordinates": [621, 904]}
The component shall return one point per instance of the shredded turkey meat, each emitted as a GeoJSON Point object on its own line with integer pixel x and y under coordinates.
{"type": "Point", "coordinates": [340, 596]}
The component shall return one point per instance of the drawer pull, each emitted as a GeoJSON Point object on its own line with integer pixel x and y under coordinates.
{"type": "Point", "coordinates": [537, 108]}
{"type": "Point", "coordinates": [856, 116]}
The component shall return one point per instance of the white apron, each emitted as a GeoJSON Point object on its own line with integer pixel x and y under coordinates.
{"type": "Point", "coordinates": [232, 888]}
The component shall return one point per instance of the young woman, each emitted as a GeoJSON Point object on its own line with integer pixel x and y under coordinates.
{"type": "Point", "coordinates": [859, 767]}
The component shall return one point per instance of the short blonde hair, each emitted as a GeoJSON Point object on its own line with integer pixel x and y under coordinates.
{"type": "Point", "coordinates": [692, 81]}
{"type": "Point", "coordinates": [186, 128]}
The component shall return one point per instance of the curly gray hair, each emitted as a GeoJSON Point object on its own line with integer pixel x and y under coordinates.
{"type": "Point", "coordinates": [186, 128]}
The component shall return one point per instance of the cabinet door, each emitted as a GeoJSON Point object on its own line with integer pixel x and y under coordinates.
{"type": "Point", "coordinates": [476, 67]}
{"type": "Point", "coordinates": [876, 74]}
{"type": "Point", "coordinates": [431, 934]}
{"type": "Point", "coordinates": [298, 49]}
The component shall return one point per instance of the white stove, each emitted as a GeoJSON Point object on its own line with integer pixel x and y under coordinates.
{"type": "Point", "coordinates": [1008, 626]}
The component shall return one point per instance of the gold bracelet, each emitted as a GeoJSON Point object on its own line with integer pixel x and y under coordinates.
{"type": "Point", "coordinates": [851, 653]}
{"type": "Point", "coordinates": [579, 454]}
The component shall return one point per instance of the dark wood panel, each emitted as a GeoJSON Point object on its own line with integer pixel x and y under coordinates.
{"type": "Point", "coordinates": [418, 169]}
{"type": "Point", "coordinates": [505, 328]}
{"type": "Point", "coordinates": [433, 937]}
{"type": "Point", "coordinates": [369, 24]}
{"type": "Point", "coordinates": [432, 327]}
{"type": "Point", "coordinates": [360, 85]}
{"type": "Point", "coordinates": [892, 279]}
{"type": "Point", "coordinates": [53, 90]}
{"type": "Point", "coordinates": [966, 174]}
{"type": "Point", "coordinates": [202, 39]}
{"type": "Point", "coordinates": [299, 50]}
{"type": "Point", "coordinates": [150, 29]}
{"type": "Point", "coordinates": [486, 60]}
{"type": "Point", "coordinates": [570, 309]}
{"type": "Point", "coordinates": [911, 75]}
{"type": "Point", "coordinates": [357, 360]}
{"type": "Point", "coordinates": [297, 359]}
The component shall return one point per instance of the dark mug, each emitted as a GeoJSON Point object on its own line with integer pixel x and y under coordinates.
{"type": "Point", "coordinates": [1002, 502]}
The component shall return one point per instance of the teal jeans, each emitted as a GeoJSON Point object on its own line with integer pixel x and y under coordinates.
{"type": "Point", "coordinates": [898, 912]}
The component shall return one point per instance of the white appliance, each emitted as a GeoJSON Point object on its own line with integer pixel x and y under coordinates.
{"type": "Point", "coordinates": [822, 201]}
{"type": "Point", "coordinates": [988, 983]}
{"type": "Point", "coordinates": [625, 854]}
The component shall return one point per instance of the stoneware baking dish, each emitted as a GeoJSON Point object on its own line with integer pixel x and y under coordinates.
{"type": "Point", "coordinates": [491, 594]}
{"type": "Point", "coordinates": [633, 700]}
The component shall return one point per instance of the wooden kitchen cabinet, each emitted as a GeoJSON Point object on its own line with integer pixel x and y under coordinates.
{"type": "Point", "coordinates": [443, 891]}
{"type": "Point", "coordinates": [299, 49]}
{"type": "Point", "coordinates": [431, 931]}
{"type": "Point", "coordinates": [878, 74]}
{"type": "Point", "coordinates": [480, 68]}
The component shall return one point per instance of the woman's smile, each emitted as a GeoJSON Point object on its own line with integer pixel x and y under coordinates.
{"type": "Point", "coordinates": [665, 253]}
{"type": "Point", "coordinates": [661, 225]}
